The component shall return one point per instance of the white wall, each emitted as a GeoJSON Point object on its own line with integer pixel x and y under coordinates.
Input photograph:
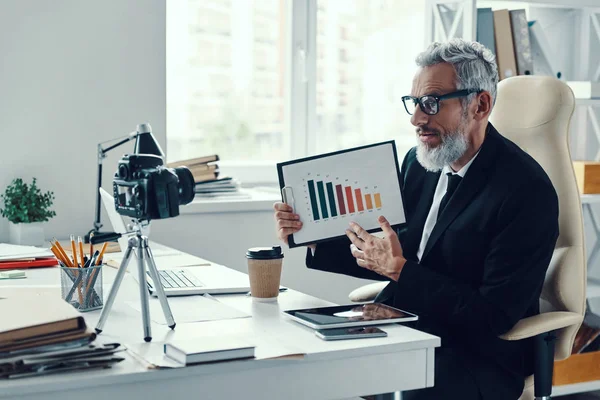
{"type": "Point", "coordinates": [74, 73]}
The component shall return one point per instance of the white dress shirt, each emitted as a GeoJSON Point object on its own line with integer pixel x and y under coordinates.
{"type": "Point", "coordinates": [440, 191]}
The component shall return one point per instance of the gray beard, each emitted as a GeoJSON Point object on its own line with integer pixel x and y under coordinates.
{"type": "Point", "coordinates": [453, 146]}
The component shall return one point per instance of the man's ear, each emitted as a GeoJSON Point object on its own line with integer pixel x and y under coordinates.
{"type": "Point", "coordinates": [483, 103]}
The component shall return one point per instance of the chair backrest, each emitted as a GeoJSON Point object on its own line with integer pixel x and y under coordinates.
{"type": "Point", "coordinates": [535, 113]}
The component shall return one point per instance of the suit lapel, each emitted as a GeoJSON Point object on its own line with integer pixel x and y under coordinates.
{"type": "Point", "coordinates": [471, 184]}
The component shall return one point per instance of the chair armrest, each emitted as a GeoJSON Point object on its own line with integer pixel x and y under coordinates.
{"type": "Point", "coordinates": [541, 323]}
{"type": "Point", "coordinates": [367, 292]}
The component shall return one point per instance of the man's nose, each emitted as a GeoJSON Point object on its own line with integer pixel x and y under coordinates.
{"type": "Point", "coordinates": [419, 118]}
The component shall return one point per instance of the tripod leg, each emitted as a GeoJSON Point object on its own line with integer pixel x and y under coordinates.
{"type": "Point", "coordinates": [164, 304]}
{"type": "Point", "coordinates": [115, 288]}
{"type": "Point", "coordinates": [143, 291]}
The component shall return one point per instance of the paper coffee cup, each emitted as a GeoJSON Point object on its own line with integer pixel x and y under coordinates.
{"type": "Point", "coordinates": [264, 270]}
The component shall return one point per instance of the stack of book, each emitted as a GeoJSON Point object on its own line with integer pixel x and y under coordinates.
{"type": "Point", "coordinates": [223, 187]}
{"type": "Point", "coordinates": [16, 256]}
{"type": "Point", "coordinates": [208, 182]}
{"type": "Point", "coordinates": [520, 46]}
{"type": "Point", "coordinates": [42, 334]}
{"type": "Point", "coordinates": [203, 168]}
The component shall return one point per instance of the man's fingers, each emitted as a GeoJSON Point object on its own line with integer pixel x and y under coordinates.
{"type": "Point", "coordinates": [385, 225]}
{"type": "Point", "coordinates": [282, 207]}
{"type": "Point", "coordinates": [365, 264]}
{"type": "Point", "coordinates": [286, 215]}
{"type": "Point", "coordinates": [282, 223]}
{"type": "Point", "coordinates": [354, 239]}
{"type": "Point", "coordinates": [283, 233]}
{"type": "Point", "coordinates": [356, 252]}
{"type": "Point", "coordinates": [360, 255]}
{"type": "Point", "coordinates": [359, 231]}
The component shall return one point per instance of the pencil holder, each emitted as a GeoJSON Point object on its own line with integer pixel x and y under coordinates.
{"type": "Point", "coordinates": [82, 287]}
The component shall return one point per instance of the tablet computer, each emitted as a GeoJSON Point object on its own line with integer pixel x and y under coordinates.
{"type": "Point", "coordinates": [350, 315]}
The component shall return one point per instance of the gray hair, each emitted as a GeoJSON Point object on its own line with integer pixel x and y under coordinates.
{"type": "Point", "coordinates": [475, 65]}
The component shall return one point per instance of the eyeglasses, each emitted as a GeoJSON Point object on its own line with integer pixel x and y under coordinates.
{"type": "Point", "coordinates": [431, 104]}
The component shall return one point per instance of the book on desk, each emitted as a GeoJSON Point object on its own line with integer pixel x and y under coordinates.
{"type": "Point", "coordinates": [42, 334]}
{"type": "Point", "coordinates": [15, 256]}
{"type": "Point", "coordinates": [208, 349]}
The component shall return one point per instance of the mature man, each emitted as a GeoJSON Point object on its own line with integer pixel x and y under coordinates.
{"type": "Point", "coordinates": [482, 222]}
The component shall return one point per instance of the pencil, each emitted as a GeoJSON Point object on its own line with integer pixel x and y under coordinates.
{"type": "Point", "coordinates": [63, 253]}
{"type": "Point", "coordinates": [91, 246]}
{"type": "Point", "coordinates": [81, 251]}
{"type": "Point", "coordinates": [74, 249]}
{"type": "Point", "coordinates": [99, 259]}
{"type": "Point", "coordinates": [57, 255]}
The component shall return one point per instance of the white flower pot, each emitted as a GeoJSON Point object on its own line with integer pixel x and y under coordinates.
{"type": "Point", "coordinates": [31, 234]}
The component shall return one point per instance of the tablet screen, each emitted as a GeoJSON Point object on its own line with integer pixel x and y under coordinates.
{"type": "Point", "coordinates": [351, 314]}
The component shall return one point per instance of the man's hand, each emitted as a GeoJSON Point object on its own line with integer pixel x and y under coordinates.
{"type": "Point", "coordinates": [383, 256]}
{"type": "Point", "coordinates": [286, 222]}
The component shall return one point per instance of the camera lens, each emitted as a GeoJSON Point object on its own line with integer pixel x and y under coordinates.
{"type": "Point", "coordinates": [123, 171]}
{"type": "Point", "coordinates": [185, 185]}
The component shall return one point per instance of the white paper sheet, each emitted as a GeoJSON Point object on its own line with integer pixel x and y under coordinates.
{"type": "Point", "coordinates": [190, 309]}
{"type": "Point", "coordinates": [15, 252]}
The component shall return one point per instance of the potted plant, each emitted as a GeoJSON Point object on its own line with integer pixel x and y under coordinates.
{"type": "Point", "coordinates": [26, 208]}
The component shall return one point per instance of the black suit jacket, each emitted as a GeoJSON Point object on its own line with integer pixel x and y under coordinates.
{"type": "Point", "coordinates": [484, 264]}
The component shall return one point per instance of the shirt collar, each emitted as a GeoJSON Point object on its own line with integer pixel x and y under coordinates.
{"type": "Point", "coordinates": [463, 171]}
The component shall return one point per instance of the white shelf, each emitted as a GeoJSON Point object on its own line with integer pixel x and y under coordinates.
{"type": "Point", "coordinates": [590, 198]}
{"type": "Point", "coordinates": [592, 289]}
{"type": "Point", "coordinates": [257, 200]}
{"type": "Point", "coordinates": [587, 102]}
{"type": "Point", "coordinates": [582, 387]}
{"type": "Point", "coordinates": [556, 3]}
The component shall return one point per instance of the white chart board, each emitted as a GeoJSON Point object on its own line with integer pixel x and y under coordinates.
{"type": "Point", "coordinates": [331, 190]}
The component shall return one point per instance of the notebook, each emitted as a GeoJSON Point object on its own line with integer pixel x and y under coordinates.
{"type": "Point", "coordinates": [30, 318]}
{"type": "Point", "coordinates": [208, 349]}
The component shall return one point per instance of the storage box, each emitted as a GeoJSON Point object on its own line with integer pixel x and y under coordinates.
{"type": "Point", "coordinates": [588, 176]}
{"type": "Point", "coordinates": [577, 368]}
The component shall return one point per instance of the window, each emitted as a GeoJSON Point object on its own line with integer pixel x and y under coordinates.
{"type": "Point", "coordinates": [225, 83]}
{"type": "Point", "coordinates": [368, 47]}
{"type": "Point", "coordinates": [245, 81]}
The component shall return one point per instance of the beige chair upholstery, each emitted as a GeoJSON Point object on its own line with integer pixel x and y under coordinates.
{"type": "Point", "coordinates": [535, 113]}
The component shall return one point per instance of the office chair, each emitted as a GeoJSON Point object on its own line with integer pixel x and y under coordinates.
{"type": "Point", "coordinates": [535, 113]}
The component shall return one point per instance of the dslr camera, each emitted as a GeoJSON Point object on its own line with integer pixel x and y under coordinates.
{"type": "Point", "coordinates": [144, 189]}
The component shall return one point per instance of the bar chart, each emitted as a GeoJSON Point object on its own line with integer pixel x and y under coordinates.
{"type": "Point", "coordinates": [330, 199]}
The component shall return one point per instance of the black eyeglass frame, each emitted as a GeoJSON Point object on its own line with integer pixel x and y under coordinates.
{"type": "Point", "coordinates": [452, 95]}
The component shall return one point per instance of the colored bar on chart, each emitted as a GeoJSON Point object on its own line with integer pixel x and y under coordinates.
{"type": "Point", "coordinates": [369, 201]}
{"type": "Point", "coordinates": [377, 200]}
{"type": "Point", "coordinates": [331, 199]}
{"type": "Point", "coordinates": [313, 199]}
{"type": "Point", "coordinates": [340, 197]}
{"type": "Point", "coordinates": [359, 202]}
{"type": "Point", "coordinates": [321, 190]}
{"type": "Point", "coordinates": [349, 198]}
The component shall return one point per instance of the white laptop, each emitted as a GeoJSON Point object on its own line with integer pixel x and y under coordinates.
{"type": "Point", "coordinates": [198, 276]}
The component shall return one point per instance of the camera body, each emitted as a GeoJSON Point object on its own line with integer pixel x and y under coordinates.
{"type": "Point", "coordinates": [144, 189]}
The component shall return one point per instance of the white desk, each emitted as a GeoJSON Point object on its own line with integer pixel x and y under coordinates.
{"type": "Point", "coordinates": [328, 370]}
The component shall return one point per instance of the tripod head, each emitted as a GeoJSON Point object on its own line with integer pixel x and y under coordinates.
{"type": "Point", "coordinates": [136, 227]}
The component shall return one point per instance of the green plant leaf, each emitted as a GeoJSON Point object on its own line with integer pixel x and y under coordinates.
{"type": "Point", "coordinates": [23, 203]}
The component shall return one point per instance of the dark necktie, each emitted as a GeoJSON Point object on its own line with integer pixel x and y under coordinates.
{"type": "Point", "coordinates": [453, 182]}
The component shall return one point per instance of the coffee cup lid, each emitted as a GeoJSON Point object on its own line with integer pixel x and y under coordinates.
{"type": "Point", "coordinates": [264, 253]}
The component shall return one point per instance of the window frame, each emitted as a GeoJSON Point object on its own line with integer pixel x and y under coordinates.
{"type": "Point", "coordinates": [300, 136]}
